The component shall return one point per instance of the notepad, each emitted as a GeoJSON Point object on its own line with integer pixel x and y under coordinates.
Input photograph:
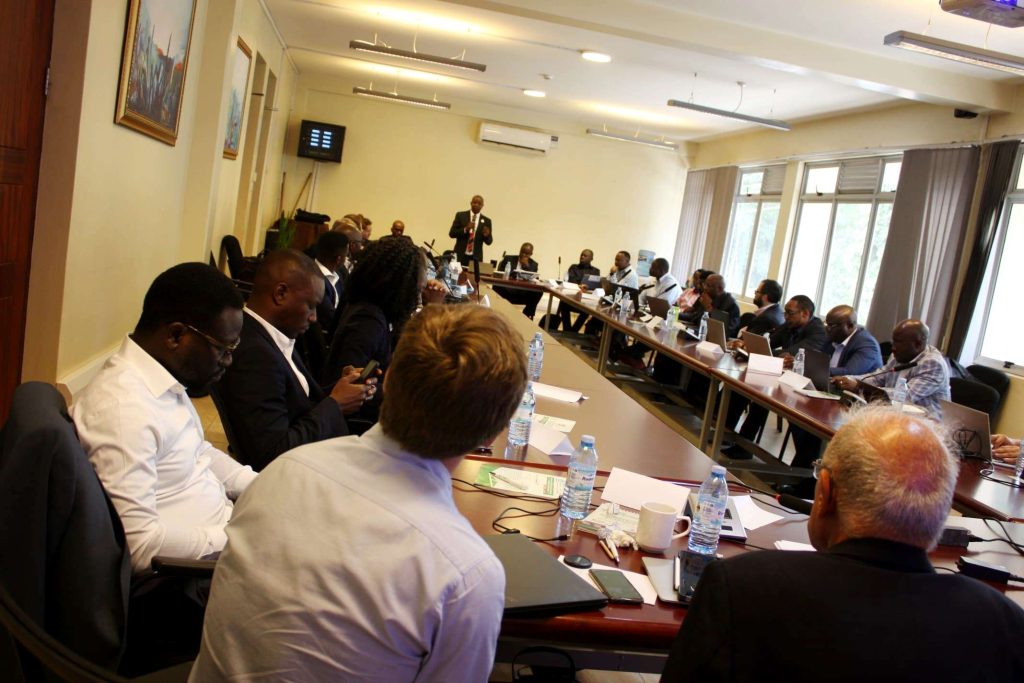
{"type": "Point", "coordinates": [542, 390]}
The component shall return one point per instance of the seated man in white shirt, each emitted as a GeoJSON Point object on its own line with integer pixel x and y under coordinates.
{"type": "Point", "coordinates": [665, 284]}
{"type": "Point", "coordinates": [171, 488]}
{"type": "Point", "coordinates": [347, 559]}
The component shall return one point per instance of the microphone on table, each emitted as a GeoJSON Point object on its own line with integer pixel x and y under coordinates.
{"type": "Point", "coordinates": [476, 276]}
{"type": "Point", "coordinates": [793, 503]}
{"type": "Point", "coordinates": [896, 368]}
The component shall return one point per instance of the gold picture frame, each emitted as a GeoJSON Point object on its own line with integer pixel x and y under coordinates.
{"type": "Point", "coordinates": [154, 64]}
{"type": "Point", "coordinates": [236, 103]}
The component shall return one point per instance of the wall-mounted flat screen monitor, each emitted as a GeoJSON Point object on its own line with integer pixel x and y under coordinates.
{"type": "Point", "coordinates": [322, 141]}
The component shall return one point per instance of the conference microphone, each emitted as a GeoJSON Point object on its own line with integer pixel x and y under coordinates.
{"type": "Point", "coordinates": [896, 368]}
{"type": "Point", "coordinates": [430, 245]}
{"type": "Point", "coordinates": [647, 286]}
{"type": "Point", "coordinates": [793, 503]}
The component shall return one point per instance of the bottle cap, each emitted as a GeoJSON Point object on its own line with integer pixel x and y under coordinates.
{"type": "Point", "coordinates": [719, 470]}
{"type": "Point", "coordinates": [587, 440]}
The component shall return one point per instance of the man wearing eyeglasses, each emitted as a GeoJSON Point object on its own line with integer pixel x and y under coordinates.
{"type": "Point", "coordinates": [868, 605]}
{"type": "Point", "coordinates": [171, 488]}
{"type": "Point", "coordinates": [268, 398]}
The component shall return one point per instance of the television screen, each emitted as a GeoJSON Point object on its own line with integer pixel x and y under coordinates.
{"type": "Point", "coordinates": [322, 141]}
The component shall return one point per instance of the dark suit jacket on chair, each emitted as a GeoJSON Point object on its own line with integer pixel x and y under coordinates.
{"type": "Point", "coordinates": [767, 320]}
{"type": "Point", "coordinates": [859, 357]}
{"type": "Point", "coordinates": [865, 610]}
{"type": "Point", "coordinates": [457, 231]}
{"type": "Point", "coordinates": [264, 405]}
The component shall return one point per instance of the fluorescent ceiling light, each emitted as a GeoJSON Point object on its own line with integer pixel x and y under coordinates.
{"type": "Point", "coordinates": [599, 57]}
{"type": "Point", "coordinates": [534, 93]}
{"type": "Point", "coordinates": [958, 52]}
{"type": "Point", "coordinates": [405, 99]}
{"type": "Point", "coordinates": [767, 123]}
{"type": "Point", "coordinates": [364, 46]}
{"type": "Point", "coordinates": [660, 144]}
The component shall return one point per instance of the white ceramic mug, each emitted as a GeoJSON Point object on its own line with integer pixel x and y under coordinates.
{"type": "Point", "coordinates": [656, 530]}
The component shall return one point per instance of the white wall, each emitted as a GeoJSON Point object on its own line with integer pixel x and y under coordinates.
{"type": "Point", "coordinates": [422, 166]}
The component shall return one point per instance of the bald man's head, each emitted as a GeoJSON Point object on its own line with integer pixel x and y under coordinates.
{"type": "Point", "coordinates": [287, 288]}
{"type": "Point", "coordinates": [840, 323]}
{"type": "Point", "coordinates": [909, 339]}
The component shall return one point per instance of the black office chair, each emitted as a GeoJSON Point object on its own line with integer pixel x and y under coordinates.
{"type": "Point", "coordinates": [973, 394]}
{"type": "Point", "coordinates": [993, 377]}
{"type": "Point", "coordinates": [64, 570]}
{"type": "Point", "coordinates": [886, 349]}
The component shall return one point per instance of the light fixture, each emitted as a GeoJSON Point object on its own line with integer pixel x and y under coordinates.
{"type": "Point", "coordinates": [405, 99]}
{"type": "Point", "coordinates": [958, 52]}
{"type": "Point", "coordinates": [767, 123]}
{"type": "Point", "coordinates": [534, 93]}
{"type": "Point", "coordinates": [598, 57]}
{"type": "Point", "coordinates": [364, 46]}
{"type": "Point", "coordinates": [660, 144]}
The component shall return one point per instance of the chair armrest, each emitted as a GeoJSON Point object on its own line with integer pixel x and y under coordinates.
{"type": "Point", "coordinates": [176, 566]}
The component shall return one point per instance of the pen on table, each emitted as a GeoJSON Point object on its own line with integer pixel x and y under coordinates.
{"type": "Point", "coordinates": [610, 550]}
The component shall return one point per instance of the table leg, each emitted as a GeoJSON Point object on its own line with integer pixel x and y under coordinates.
{"type": "Point", "coordinates": [604, 349]}
{"type": "Point", "coordinates": [547, 320]}
{"type": "Point", "coordinates": [723, 411]}
{"type": "Point", "coordinates": [709, 412]}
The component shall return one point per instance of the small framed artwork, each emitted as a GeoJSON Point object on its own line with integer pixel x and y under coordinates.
{"type": "Point", "coordinates": [154, 63]}
{"type": "Point", "coordinates": [236, 105]}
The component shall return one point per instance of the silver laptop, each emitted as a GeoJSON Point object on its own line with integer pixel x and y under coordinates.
{"type": "Point", "coordinates": [716, 332]}
{"type": "Point", "coordinates": [755, 343]}
{"type": "Point", "coordinates": [968, 429]}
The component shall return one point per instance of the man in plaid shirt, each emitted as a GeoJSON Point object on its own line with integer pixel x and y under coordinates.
{"type": "Point", "coordinates": [926, 383]}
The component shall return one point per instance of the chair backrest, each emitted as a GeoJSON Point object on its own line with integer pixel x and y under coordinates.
{"type": "Point", "coordinates": [233, 445]}
{"type": "Point", "coordinates": [231, 247]}
{"type": "Point", "coordinates": [993, 377]}
{"type": "Point", "coordinates": [973, 394]}
{"type": "Point", "coordinates": [63, 556]}
{"type": "Point", "coordinates": [886, 350]}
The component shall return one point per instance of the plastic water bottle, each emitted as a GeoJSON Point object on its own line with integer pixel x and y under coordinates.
{"type": "Point", "coordinates": [702, 333]}
{"type": "Point", "coordinates": [579, 482]}
{"type": "Point", "coordinates": [508, 270]}
{"type": "Point", "coordinates": [1019, 469]}
{"type": "Point", "coordinates": [899, 394]}
{"type": "Point", "coordinates": [707, 520]}
{"type": "Point", "coordinates": [617, 299]}
{"type": "Point", "coordinates": [535, 359]}
{"type": "Point", "coordinates": [799, 362]}
{"type": "Point", "coordinates": [673, 316]}
{"type": "Point", "coordinates": [519, 425]}
{"type": "Point", "coordinates": [626, 308]}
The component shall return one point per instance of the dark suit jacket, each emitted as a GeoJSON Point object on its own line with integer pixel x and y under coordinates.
{"type": "Point", "coordinates": [457, 231]}
{"type": "Point", "coordinates": [767, 320]}
{"type": "Point", "coordinates": [859, 357]}
{"type": "Point", "coordinates": [363, 335]}
{"type": "Point", "coordinates": [811, 336]}
{"type": "Point", "coordinates": [723, 302]}
{"type": "Point", "coordinates": [865, 610]}
{"type": "Point", "coordinates": [578, 273]}
{"type": "Point", "coordinates": [264, 405]}
{"type": "Point", "coordinates": [513, 259]}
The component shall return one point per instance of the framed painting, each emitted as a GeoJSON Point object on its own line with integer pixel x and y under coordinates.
{"type": "Point", "coordinates": [153, 66]}
{"type": "Point", "coordinates": [236, 105]}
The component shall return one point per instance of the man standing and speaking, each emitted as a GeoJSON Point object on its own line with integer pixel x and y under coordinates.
{"type": "Point", "coordinates": [471, 230]}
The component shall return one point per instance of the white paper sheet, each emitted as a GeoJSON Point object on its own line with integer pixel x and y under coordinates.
{"type": "Point", "coordinates": [557, 393]}
{"type": "Point", "coordinates": [559, 423]}
{"type": "Point", "coordinates": [793, 545]}
{"type": "Point", "coordinates": [752, 515]}
{"type": "Point", "coordinates": [594, 296]}
{"type": "Point", "coordinates": [528, 482]}
{"type": "Point", "coordinates": [656, 322]}
{"type": "Point", "coordinates": [791, 379]}
{"type": "Point", "coordinates": [641, 582]}
{"type": "Point", "coordinates": [550, 441]}
{"type": "Point", "coordinates": [710, 348]}
{"type": "Point", "coordinates": [764, 365]}
{"type": "Point", "coordinates": [632, 490]}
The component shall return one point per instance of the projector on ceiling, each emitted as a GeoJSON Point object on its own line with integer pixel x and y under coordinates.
{"type": "Point", "coordinates": [1008, 13]}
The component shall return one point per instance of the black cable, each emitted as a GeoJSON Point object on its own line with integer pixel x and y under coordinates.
{"type": "Point", "coordinates": [480, 488]}
{"type": "Point", "coordinates": [498, 526]}
{"type": "Point", "coordinates": [771, 504]}
{"type": "Point", "coordinates": [1008, 540]}
{"type": "Point", "coordinates": [947, 569]}
{"type": "Point", "coordinates": [987, 474]}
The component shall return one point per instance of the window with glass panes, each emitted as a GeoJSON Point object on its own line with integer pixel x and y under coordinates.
{"type": "Point", "coordinates": [755, 213]}
{"type": "Point", "coordinates": [842, 224]}
{"type": "Point", "coordinates": [1000, 332]}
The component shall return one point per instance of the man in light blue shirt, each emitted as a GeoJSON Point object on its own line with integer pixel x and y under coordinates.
{"type": "Point", "coordinates": [347, 559]}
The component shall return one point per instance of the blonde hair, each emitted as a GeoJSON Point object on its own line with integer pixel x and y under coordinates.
{"type": "Point", "coordinates": [894, 476]}
{"type": "Point", "coordinates": [457, 375]}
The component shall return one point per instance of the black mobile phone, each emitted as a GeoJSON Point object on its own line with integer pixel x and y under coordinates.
{"type": "Point", "coordinates": [616, 586]}
{"type": "Point", "coordinates": [367, 372]}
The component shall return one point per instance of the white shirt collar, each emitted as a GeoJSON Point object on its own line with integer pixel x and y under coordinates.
{"type": "Point", "coordinates": [331, 276]}
{"type": "Point", "coordinates": [847, 340]}
{"type": "Point", "coordinates": [156, 377]}
{"type": "Point", "coordinates": [280, 339]}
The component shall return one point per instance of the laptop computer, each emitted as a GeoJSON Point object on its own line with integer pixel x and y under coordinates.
{"type": "Point", "coordinates": [968, 429]}
{"type": "Point", "coordinates": [816, 368]}
{"type": "Point", "coordinates": [659, 307]}
{"type": "Point", "coordinates": [756, 343]}
{"type": "Point", "coordinates": [536, 583]}
{"type": "Point", "coordinates": [632, 292]}
{"type": "Point", "coordinates": [716, 332]}
{"type": "Point", "coordinates": [592, 282]}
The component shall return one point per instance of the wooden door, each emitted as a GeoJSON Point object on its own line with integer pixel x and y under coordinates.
{"type": "Point", "coordinates": [26, 29]}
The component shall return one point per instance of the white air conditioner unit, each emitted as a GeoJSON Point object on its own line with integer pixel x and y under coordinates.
{"type": "Point", "coordinates": [521, 138]}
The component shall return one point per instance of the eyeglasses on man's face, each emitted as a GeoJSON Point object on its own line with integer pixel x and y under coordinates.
{"type": "Point", "coordinates": [818, 466]}
{"type": "Point", "coordinates": [221, 348]}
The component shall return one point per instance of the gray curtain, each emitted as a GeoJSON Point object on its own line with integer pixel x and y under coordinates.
{"type": "Point", "coordinates": [704, 220]}
{"type": "Point", "coordinates": [926, 237]}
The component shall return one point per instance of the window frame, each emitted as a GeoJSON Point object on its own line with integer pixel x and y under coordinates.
{"type": "Point", "coordinates": [759, 199]}
{"type": "Point", "coordinates": [835, 198]}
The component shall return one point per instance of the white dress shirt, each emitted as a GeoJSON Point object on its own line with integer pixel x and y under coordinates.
{"type": "Point", "coordinates": [626, 277]}
{"type": "Point", "coordinates": [284, 344]}
{"type": "Point", "coordinates": [838, 353]}
{"type": "Point", "coordinates": [331, 276]}
{"type": "Point", "coordinates": [170, 487]}
{"type": "Point", "coordinates": [667, 288]}
{"type": "Point", "coordinates": [347, 560]}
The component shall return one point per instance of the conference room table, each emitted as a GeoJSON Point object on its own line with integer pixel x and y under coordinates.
{"type": "Point", "coordinates": [627, 637]}
{"type": "Point", "coordinates": [976, 493]}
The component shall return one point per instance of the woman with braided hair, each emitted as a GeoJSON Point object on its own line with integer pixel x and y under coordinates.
{"type": "Point", "coordinates": [382, 292]}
